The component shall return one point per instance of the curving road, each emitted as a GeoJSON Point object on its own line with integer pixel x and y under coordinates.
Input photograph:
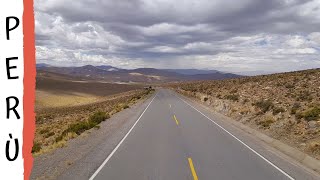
{"type": "Point", "coordinates": [174, 139]}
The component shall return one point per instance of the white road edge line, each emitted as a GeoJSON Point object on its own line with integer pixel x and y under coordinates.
{"type": "Point", "coordinates": [116, 148]}
{"type": "Point", "coordinates": [265, 159]}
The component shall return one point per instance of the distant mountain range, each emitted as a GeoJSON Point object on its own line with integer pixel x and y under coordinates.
{"type": "Point", "coordinates": [140, 75]}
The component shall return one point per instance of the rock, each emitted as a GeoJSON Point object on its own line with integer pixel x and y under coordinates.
{"type": "Point", "coordinates": [312, 124]}
{"type": "Point", "coordinates": [303, 145]}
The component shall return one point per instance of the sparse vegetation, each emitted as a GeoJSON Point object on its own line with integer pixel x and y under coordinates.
{"type": "Point", "coordinates": [80, 127]}
{"type": "Point", "coordinates": [295, 107]}
{"type": "Point", "coordinates": [98, 117]}
{"type": "Point", "coordinates": [61, 115]}
{"type": "Point", "coordinates": [277, 110]}
{"type": "Point", "coordinates": [36, 147]}
{"type": "Point", "coordinates": [233, 97]}
{"type": "Point", "coordinates": [284, 106]}
{"type": "Point", "coordinates": [304, 96]}
{"type": "Point", "coordinates": [49, 134]}
{"type": "Point", "coordinates": [264, 105]}
{"type": "Point", "coordinates": [289, 86]}
{"type": "Point", "coordinates": [312, 114]}
{"type": "Point", "coordinates": [265, 123]}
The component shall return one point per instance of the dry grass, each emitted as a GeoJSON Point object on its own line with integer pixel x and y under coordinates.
{"type": "Point", "coordinates": [45, 99]}
{"type": "Point", "coordinates": [56, 125]}
{"type": "Point", "coordinates": [65, 108]}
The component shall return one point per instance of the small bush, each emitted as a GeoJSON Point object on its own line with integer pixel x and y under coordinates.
{"type": "Point", "coordinates": [234, 91]}
{"type": "Point", "coordinates": [82, 126]}
{"type": "Point", "coordinates": [79, 127]}
{"type": "Point", "coordinates": [60, 137]}
{"type": "Point", "coordinates": [289, 86]}
{"type": "Point", "coordinates": [44, 131]}
{"type": "Point", "coordinates": [304, 96]}
{"type": "Point", "coordinates": [264, 105]}
{"type": "Point", "coordinates": [314, 147]}
{"type": "Point", "coordinates": [36, 147]}
{"type": "Point", "coordinates": [266, 123]}
{"type": "Point", "coordinates": [98, 117]}
{"type": "Point", "coordinates": [299, 115]}
{"type": "Point", "coordinates": [205, 99]}
{"type": "Point", "coordinates": [277, 110]}
{"type": "Point", "coordinates": [49, 134]}
{"type": "Point", "coordinates": [245, 101]}
{"type": "Point", "coordinates": [295, 107]}
{"type": "Point", "coordinates": [312, 114]}
{"type": "Point", "coordinates": [233, 97]}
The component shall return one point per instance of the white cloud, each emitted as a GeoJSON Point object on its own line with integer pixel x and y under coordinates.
{"type": "Point", "coordinates": [296, 41]}
{"type": "Point", "coordinates": [163, 49]}
{"type": "Point", "coordinates": [315, 38]}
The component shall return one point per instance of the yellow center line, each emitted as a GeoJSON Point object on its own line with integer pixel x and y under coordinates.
{"type": "Point", "coordinates": [193, 171]}
{"type": "Point", "coordinates": [175, 118]}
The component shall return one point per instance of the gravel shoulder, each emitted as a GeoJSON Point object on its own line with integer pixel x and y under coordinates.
{"type": "Point", "coordinates": [84, 154]}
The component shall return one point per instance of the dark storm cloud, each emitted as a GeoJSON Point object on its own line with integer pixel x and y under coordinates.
{"type": "Point", "coordinates": [145, 32]}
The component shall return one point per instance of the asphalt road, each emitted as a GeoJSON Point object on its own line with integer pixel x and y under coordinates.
{"type": "Point", "coordinates": [171, 141]}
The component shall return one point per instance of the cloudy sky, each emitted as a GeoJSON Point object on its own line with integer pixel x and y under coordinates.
{"type": "Point", "coordinates": [228, 35]}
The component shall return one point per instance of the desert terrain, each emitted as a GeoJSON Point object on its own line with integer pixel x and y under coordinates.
{"type": "Point", "coordinates": [285, 106]}
{"type": "Point", "coordinates": [66, 107]}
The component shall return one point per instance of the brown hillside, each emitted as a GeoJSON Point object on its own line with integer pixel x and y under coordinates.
{"type": "Point", "coordinates": [285, 106]}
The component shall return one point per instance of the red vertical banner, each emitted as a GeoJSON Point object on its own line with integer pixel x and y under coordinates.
{"type": "Point", "coordinates": [29, 85]}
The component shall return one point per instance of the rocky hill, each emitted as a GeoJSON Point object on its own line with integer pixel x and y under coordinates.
{"type": "Point", "coordinates": [285, 106]}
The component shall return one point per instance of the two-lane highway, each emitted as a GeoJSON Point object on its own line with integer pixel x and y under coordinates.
{"type": "Point", "coordinates": [172, 140]}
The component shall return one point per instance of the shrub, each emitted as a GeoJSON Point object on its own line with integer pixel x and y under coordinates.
{"type": "Point", "coordinates": [79, 127]}
{"type": "Point", "coordinates": [82, 126]}
{"type": "Point", "coordinates": [314, 147]}
{"type": "Point", "coordinates": [299, 115]}
{"type": "Point", "coordinates": [36, 147]}
{"type": "Point", "coordinates": [205, 99]}
{"type": "Point", "coordinates": [233, 97]}
{"type": "Point", "coordinates": [234, 91]}
{"type": "Point", "coordinates": [277, 110]}
{"type": "Point", "coordinates": [44, 131]}
{"type": "Point", "coordinates": [304, 96]}
{"type": "Point", "coordinates": [266, 123]}
{"type": "Point", "coordinates": [264, 105]}
{"type": "Point", "coordinates": [312, 114]}
{"type": "Point", "coordinates": [49, 134]}
{"type": "Point", "coordinates": [295, 107]}
{"type": "Point", "coordinates": [60, 137]}
{"type": "Point", "coordinates": [245, 101]}
{"type": "Point", "coordinates": [98, 117]}
{"type": "Point", "coordinates": [289, 86]}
